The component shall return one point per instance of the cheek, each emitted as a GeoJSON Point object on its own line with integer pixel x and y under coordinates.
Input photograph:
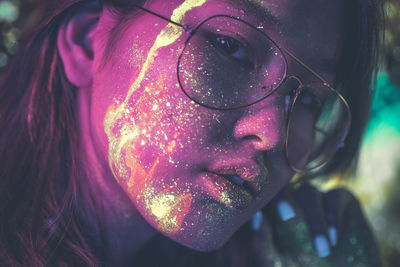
{"type": "Point", "coordinates": [150, 141]}
{"type": "Point", "coordinates": [143, 138]}
{"type": "Point", "coordinates": [149, 129]}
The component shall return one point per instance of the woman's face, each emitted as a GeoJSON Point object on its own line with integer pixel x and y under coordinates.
{"type": "Point", "coordinates": [172, 157]}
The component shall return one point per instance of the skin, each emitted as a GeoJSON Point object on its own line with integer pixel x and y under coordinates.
{"type": "Point", "coordinates": [147, 146]}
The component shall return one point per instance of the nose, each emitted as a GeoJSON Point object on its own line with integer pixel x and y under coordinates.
{"type": "Point", "coordinates": [263, 124]}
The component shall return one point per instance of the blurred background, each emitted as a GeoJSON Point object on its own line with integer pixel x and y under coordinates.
{"type": "Point", "coordinates": [377, 181]}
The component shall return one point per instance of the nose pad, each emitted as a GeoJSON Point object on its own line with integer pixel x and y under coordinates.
{"type": "Point", "coordinates": [290, 89]}
{"type": "Point", "coordinates": [264, 123]}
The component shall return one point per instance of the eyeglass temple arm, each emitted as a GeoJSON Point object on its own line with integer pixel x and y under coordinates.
{"type": "Point", "coordinates": [304, 65]}
{"type": "Point", "coordinates": [157, 15]}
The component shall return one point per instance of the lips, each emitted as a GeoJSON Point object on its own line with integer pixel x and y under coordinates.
{"type": "Point", "coordinates": [234, 182]}
{"type": "Point", "coordinates": [242, 171]}
{"type": "Point", "coordinates": [224, 190]}
{"type": "Point", "coordinates": [237, 180]}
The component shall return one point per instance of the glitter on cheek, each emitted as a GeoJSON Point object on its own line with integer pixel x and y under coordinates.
{"type": "Point", "coordinates": [169, 210]}
{"type": "Point", "coordinates": [139, 177]}
{"type": "Point", "coordinates": [168, 36]}
{"type": "Point", "coordinates": [144, 126]}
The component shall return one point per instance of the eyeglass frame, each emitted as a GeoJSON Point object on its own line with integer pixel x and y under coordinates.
{"type": "Point", "coordinates": [284, 51]}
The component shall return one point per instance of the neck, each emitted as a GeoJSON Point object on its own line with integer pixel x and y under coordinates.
{"type": "Point", "coordinates": [123, 230]}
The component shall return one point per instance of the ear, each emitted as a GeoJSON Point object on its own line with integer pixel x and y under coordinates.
{"type": "Point", "coordinates": [75, 44]}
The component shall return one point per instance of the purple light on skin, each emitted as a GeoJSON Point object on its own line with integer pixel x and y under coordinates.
{"type": "Point", "coordinates": [158, 142]}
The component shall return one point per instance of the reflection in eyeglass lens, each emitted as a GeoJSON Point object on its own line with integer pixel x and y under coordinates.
{"type": "Point", "coordinates": [318, 124]}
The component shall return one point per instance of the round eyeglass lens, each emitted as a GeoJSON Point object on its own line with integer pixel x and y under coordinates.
{"type": "Point", "coordinates": [318, 124]}
{"type": "Point", "coordinates": [228, 63]}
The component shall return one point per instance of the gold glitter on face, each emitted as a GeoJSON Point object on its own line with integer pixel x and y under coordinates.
{"type": "Point", "coordinates": [170, 210]}
{"type": "Point", "coordinates": [123, 133]}
{"type": "Point", "coordinates": [128, 132]}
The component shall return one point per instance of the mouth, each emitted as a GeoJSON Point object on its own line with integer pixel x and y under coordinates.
{"type": "Point", "coordinates": [235, 183]}
{"type": "Point", "coordinates": [243, 172]}
{"type": "Point", "coordinates": [237, 180]}
{"type": "Point", "coordinates": [227, 190]}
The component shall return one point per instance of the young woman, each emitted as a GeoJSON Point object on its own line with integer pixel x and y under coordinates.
{"type": "Point", "coordinates": [121, 120]}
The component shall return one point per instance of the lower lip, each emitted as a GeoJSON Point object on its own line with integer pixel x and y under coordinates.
{"type": "Point", "coordinates": [232, 195]}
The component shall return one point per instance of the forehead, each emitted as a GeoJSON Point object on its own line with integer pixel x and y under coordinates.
{"type": "Point", "coordinates": [308, 28]}
{"type": "Point", "coordinates": [327, 12]}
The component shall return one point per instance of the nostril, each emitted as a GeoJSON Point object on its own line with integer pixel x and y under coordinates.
{"type": "Point", "coordinates": [256, 141]}
{"type": "Point", "coordinates": [250, 137]}
{"type": "Point", "coordinates": [260, 143]}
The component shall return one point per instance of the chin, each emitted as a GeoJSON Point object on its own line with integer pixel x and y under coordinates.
{"type": "Point", "coordinates": [210, 232]}
{"type": "Point", "coordinates": [203, 243]}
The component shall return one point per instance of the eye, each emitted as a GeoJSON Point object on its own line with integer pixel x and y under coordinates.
{"type": "Point", "coordinates": [308, 99]}
{"type": "Point", "coordinates": [232, 48]}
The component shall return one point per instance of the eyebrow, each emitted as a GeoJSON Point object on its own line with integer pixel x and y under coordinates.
{"type": "Point", "coordinates": [262, 13]}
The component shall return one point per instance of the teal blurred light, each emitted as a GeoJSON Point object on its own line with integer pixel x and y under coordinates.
{"type": "Point", "coordinates": [385, 111]}
{"type": "Point", "coordinates": [8, 11]}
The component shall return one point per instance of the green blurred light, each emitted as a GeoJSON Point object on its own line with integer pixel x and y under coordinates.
{"type": "Point", "coordinates": [385, 106]}
{"type": "Point", "coordinates": [8, 11]}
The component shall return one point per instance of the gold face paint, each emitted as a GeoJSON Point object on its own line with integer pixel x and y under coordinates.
{"type": "Point", "coordinates": [170, 210]}
{"type": "Point", "coordinates": [124, 129]}
{"type": "Point", "coordinates": [168, 35]}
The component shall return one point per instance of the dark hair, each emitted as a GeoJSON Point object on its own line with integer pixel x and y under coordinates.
{"type": "Point", "coordinates": [39, 136]}
{"type": "Point", "coordinates": [357, 77]}
{"type": "Point", "coordinates": [38, 121]}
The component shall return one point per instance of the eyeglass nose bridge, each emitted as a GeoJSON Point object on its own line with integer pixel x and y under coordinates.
{"type": "Point", "coordinates": [287, 83]}
{"type": "Point", "coordinates": [295, 78]}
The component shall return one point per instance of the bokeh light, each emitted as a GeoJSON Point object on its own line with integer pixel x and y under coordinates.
{"type": "Point", "coordinates": [8, 11]}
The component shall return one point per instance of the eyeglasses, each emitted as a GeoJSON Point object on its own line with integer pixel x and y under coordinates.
{"type": "Point", "coordinates": [227, 63]}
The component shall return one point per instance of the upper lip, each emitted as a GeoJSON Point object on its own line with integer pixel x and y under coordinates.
{"type": "Point", "coordinates": [253, 174]}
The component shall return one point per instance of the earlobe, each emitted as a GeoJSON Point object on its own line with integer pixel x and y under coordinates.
{"type": "Point", "coordinates": [75, 45]}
